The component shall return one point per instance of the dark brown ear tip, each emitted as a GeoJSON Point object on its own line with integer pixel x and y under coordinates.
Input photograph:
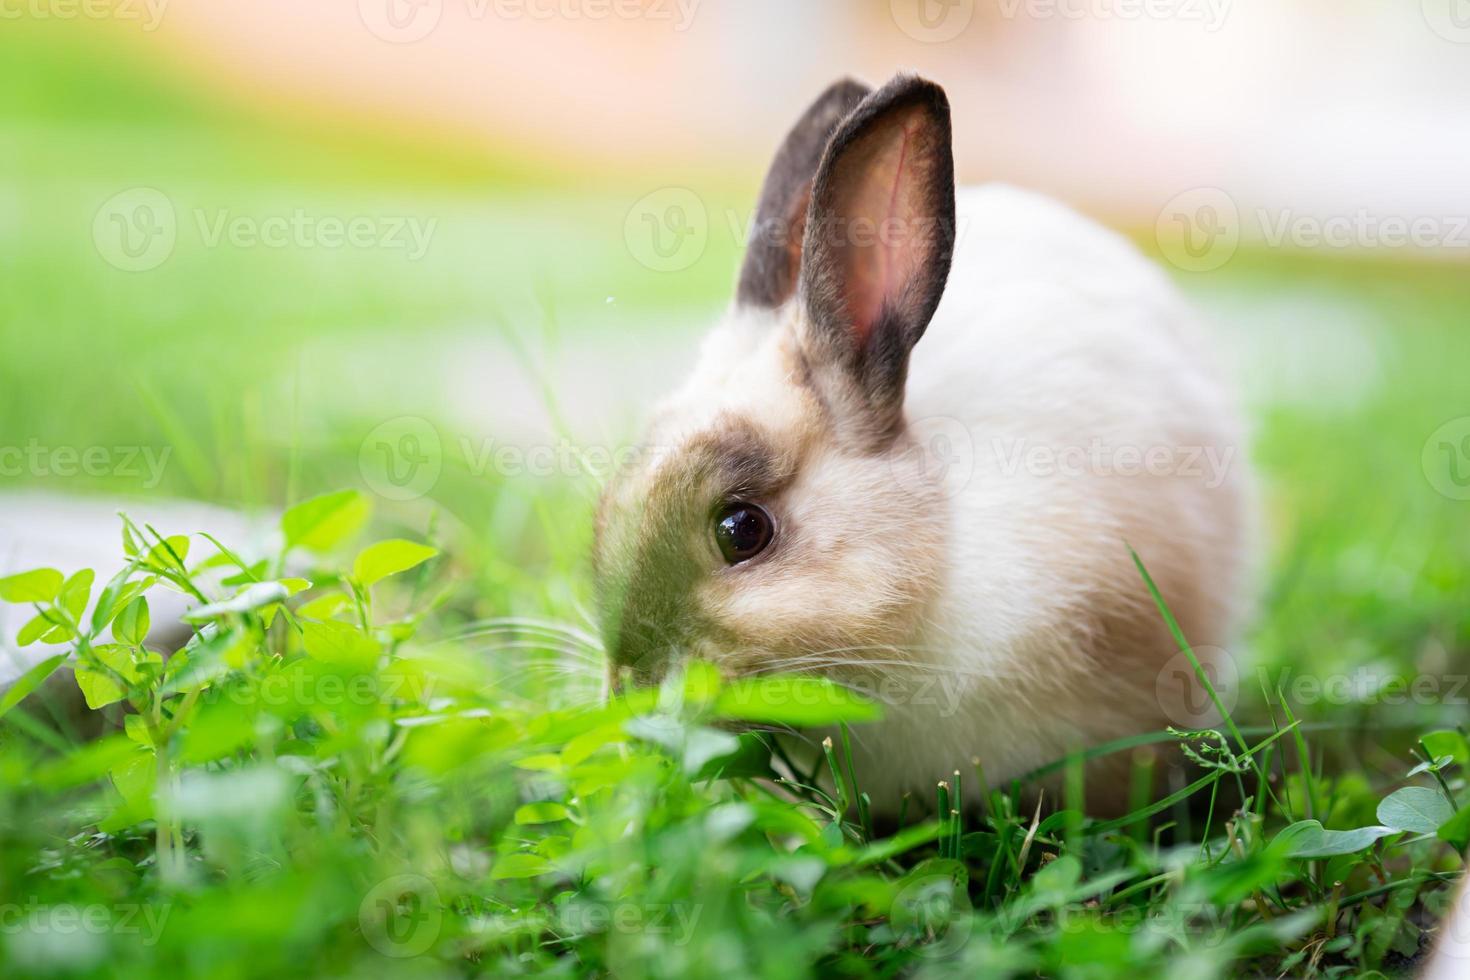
{"type": "Point", "coordinates": [838, 100]}
{"type": "Point", "coordinates": [772, 259]}
{"type": "Point", "coordinates": [909, 89]}
{"type": "Point", "coordinates": [898, 93]}
{"type": "Point", "coordinates": [847, 87]}
{"type": "Point", "coordinates": [937, 98]}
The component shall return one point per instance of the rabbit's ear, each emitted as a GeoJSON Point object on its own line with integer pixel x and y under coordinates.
{"type": "Point", "coordinates": [773, 255]}
{"type": "Point", "coordinates": [879, 237]}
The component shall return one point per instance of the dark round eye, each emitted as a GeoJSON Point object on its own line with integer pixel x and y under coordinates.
{"type": "Point", "coordinates": [742, 532]}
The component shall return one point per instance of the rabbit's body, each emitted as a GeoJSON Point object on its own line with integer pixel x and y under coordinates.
{"type": "Point", "coordinates": [943, 524]}
{"type": "Point", "coordinates": [1058, 344]}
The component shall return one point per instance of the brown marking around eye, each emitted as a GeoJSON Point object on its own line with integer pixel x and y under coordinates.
{"type": "Point", "coordinates": [741, 461]}
{"type": "Point", "coordinates": [649, 606]}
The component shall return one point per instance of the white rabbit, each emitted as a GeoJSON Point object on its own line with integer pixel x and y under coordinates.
{"type": "Point", "coordinates": [948, 531]}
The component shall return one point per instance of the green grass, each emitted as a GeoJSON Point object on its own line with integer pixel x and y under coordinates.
{"type": "Point", "coordinates": [327, 780]}
{"type": "Point", "coordinates": [419, 774]}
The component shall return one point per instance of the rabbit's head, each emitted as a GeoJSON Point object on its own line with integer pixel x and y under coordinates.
{"type": "Point", "coordinates": [776, 517]}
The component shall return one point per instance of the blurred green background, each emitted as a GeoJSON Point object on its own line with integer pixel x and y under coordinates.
{"type": "Point", "coordinates": [265, 370]}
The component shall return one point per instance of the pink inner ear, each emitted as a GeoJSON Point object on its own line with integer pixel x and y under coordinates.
{"type": "Point", "coordinates": [881, 241]}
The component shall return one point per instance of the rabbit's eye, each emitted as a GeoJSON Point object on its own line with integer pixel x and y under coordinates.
{"type": "Point", "coordinates": [742, 532]}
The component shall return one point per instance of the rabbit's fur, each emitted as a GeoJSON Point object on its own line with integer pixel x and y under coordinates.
{"type": "Point", "coordinates": [952, 528]}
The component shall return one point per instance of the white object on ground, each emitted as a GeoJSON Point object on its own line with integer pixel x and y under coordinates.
{"type": "Point", "coordinates": [43, 530]}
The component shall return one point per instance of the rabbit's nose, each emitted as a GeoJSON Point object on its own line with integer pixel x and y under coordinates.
{"type": "Point", "coordinates": [639, 663]}
{"type": "Point", "coordinates": [643, 653]}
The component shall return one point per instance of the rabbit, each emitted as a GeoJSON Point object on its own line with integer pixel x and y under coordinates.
{"type": "Point", "coordinates": [798, 506]}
